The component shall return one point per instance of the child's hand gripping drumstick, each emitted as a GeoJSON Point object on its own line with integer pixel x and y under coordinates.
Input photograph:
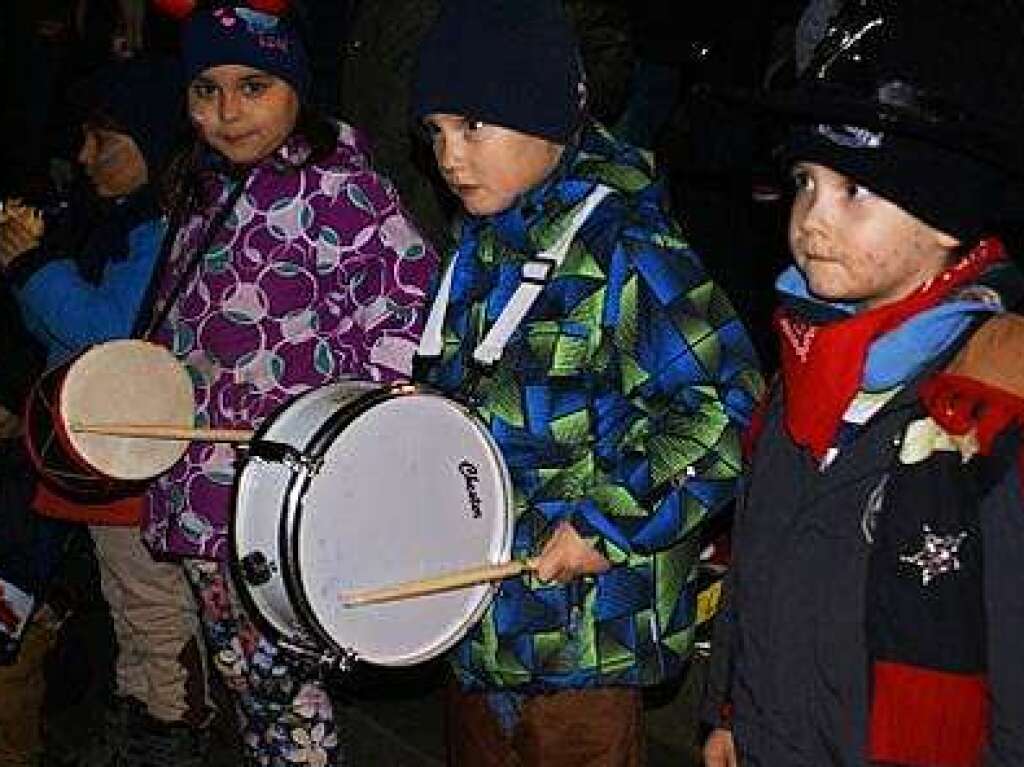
{"type": "Point", "coordinates": [565, 556]}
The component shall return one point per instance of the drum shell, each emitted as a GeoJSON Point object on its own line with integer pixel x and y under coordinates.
{"type": "Point", "coordinates": [51, 451]}
{"type": "Point", "coordinates": [267, 553]}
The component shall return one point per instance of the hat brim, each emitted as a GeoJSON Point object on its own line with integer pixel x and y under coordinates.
{"type": "Point", "coordinates": [1002, 150]}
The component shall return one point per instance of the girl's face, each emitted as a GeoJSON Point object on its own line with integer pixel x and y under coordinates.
{"type": "Point", "coordinates": [853, 246]}
{"type": "Point", "coordinates": [243, 113]}
{"type": "Point", "coordinates": [112, 161]}
{"type": "Point", "coordinates": [488, 166]}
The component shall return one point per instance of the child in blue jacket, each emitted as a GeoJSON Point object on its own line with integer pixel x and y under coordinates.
{"type": "Point", "coordinates": [73, 295]}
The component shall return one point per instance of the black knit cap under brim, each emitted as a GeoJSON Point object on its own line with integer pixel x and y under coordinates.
{"type": "Point", "coordinates": [513, 63]}
{"type": "Point", "coordinates": [949, 191]}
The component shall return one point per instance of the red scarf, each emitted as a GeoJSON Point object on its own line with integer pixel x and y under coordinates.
{"type": "Point", "coordinates": [823, 365]}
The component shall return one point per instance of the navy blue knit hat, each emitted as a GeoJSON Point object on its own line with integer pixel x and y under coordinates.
{"type": "Point", "coordinates": [513, 63]}
{"type": "Point", "coordinates": [142, 97]}
{"type": "Point", "coordinates": [243, 36]}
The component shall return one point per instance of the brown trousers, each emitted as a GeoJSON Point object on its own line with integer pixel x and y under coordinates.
{"type": "Point", "coordinates": [602, 727]}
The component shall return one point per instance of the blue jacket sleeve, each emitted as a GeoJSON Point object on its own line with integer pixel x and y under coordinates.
{"type": "Point", "coordinates": [68, 314]}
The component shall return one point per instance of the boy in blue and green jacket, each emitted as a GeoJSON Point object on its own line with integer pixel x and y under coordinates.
{"type": "Point", "coordinates": [617, 399]}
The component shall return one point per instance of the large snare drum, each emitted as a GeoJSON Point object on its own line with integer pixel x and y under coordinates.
{"type": "Point", "coordinates": [356, 486]}
{"type": "Point", "coordinates": [118, 382]}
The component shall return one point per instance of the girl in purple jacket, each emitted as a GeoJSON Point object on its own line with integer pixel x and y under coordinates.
{"type": "Point", "coordinates": [293, 264]}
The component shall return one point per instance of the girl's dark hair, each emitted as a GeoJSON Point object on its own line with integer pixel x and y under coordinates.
{"type": "Point", "coordinates": [318, 130]}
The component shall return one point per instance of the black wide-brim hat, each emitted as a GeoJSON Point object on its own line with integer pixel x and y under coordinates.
{"type": "Point", "coordinates": [895, 77]}
{"type": "Point", "coordinates": [951, 72]}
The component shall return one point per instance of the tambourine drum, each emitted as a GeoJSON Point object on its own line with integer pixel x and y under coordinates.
{"type": "Point", "coordinates": [119, 382]}
{"type": "Point", "coordinates": [354, 486]}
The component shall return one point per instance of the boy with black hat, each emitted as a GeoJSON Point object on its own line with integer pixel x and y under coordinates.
{"type": "Point", "coordinates": [611, 371]}
{"type": "Point", "coordinates": [876, 603]}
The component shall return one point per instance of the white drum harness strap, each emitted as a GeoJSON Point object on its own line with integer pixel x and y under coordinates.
{"type": "Point", "coordinates": [536, 274]}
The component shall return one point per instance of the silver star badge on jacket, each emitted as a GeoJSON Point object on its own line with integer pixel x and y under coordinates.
{"type": "Point", "coordinates": [938, 555]}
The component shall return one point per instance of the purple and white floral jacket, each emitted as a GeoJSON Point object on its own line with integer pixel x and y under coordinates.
{"type": "Point", "coordinates": [317, 274]}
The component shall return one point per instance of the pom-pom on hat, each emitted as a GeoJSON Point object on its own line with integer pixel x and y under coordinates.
{"type": "Point", "coordinates": [243, 35]}
{"type": "Point", "coordinates": [176, 9]}
{"type": "Point", "coordinates": [182, 9]}
{"type": "Point", "coordinates": [513, 63]}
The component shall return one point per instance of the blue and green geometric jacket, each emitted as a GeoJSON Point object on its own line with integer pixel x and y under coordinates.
{"type": "Point", "coordinates": [617, 405]}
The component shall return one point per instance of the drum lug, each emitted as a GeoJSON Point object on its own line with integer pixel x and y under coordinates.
{"type": "Point", "coordinates": [341, 662]}
{"type": "Point", "coordinates": [303, 464]}
{"type": "Point", "coordinates": [296, 461]}
{"type": "Point", "coordinates": [256, 569]}
{"type": "Point", "coordinates": [327, 661]}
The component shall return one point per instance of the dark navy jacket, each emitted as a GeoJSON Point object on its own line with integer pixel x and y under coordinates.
{"type": "Point", "coordinates": [790, 655]}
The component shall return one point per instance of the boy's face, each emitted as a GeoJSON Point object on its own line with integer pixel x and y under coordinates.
{"type": "Point", "coordinates": [854, 246]}
{"type": "Point", "coordinates": [112, 161]}
{"type": "Point", "coordinates": [488, 166]}
{"type": "Point", "coordinates": [243, 113]}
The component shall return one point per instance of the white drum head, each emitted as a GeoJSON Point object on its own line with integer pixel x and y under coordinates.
{"type": "Point", "coordinates": [413, 487]}
{"type": "Point", "coordinates": [127, 382]}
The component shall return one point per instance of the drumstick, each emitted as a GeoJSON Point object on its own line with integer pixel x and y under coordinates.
{"type": "Point", "coordinates": [155, 431]}
{"type": "Point", "coordinates": [457, 579]}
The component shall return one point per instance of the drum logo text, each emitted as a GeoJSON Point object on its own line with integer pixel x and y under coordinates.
{"type": "Point", "coordinates": [471, 474]}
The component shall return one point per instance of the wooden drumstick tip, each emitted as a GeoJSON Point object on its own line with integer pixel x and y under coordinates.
{"type": "Point", "coordinates": [458, 579]}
